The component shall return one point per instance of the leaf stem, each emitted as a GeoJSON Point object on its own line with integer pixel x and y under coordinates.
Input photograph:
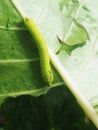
{"type": "Point", "coordinates": [18, 8]}
{"type": "Point", "coordinates": [84, 103]}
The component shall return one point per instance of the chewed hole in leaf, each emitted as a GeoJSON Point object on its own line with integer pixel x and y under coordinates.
{"type": "Point", "coordinates": [76, 38]}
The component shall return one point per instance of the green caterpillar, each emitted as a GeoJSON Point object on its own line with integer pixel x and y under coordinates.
{"type": "Point", "coordinates": [46, 72]}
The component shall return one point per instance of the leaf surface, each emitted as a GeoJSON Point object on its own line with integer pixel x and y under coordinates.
{"type": "Point", "coordinates": [55, 110]}
{"type": "Point", "coordinates": [19, 59]}
{"type": "Point", "coordinates": [78, 70]}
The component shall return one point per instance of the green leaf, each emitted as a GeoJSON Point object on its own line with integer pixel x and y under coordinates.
{"type": "Point", "coordinates": [30, 113]}
{"type": "Point", "coordinates": [79, 70]}
{"type": "Point", "coordinates": [19, 60]}
{"type": "Point", "coordinates": [56, 110]}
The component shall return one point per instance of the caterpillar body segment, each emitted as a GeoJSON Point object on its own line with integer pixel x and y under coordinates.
{"type": "Point", "coordinates": [46, 71]}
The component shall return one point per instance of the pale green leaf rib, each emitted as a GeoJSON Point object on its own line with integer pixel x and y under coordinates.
{"type": "Point", "coordinates": [18, 60]}
{"type": "Point", "coordinates": [13, 28]}
{"type": "Point", "coordinates": [17, 6]}
{"type": "Point", "coordinates": [43, 11]}
{"type": "Point", "coordinates": [35, 92]}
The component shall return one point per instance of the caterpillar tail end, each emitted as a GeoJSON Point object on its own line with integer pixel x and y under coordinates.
{"type": "Point", "coordinates": [51, 78]}
{"type": "Point", "coordinates": [48, 78]}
